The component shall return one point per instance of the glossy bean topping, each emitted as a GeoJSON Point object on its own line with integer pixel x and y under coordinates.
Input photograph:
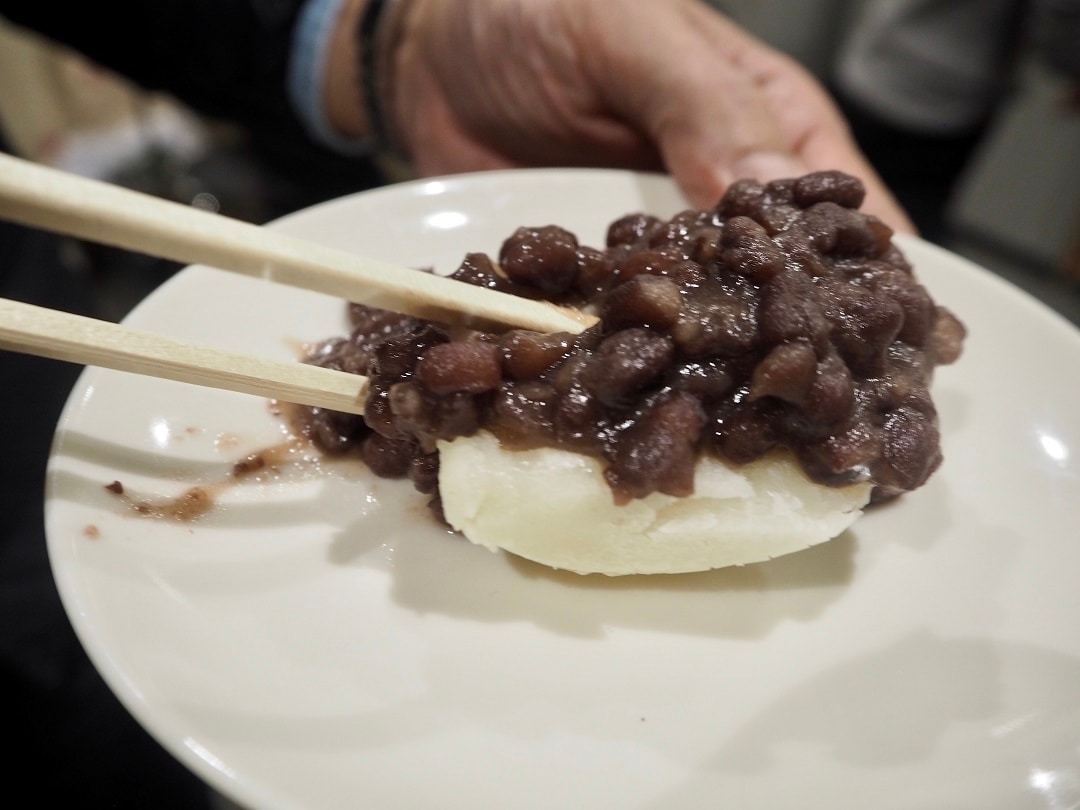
{"type": "Point", "coordinates": [781, 317]}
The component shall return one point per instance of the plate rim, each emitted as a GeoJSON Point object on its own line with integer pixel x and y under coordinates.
{"type": "Point", "coordinates": [240, 787]}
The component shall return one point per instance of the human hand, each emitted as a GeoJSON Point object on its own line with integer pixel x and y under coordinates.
{"type": "Point", "coordinates": [672, 84]}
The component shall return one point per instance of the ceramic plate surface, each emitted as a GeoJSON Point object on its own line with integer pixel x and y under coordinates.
{"type": "Point", "coordinates": [316, 641]}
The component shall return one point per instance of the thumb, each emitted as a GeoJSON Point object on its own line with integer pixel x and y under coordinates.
{"type": "Point", "coordinates": [704, 179]}
{"type": "Point", "coordinates": [716, 128]}
{"type": "Point", "coordinates": [704, 161]}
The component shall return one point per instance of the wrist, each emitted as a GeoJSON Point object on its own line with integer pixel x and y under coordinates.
{"type": "Point", "coordinates": [342, 83]}
{"type": "Point", "coordinates": [359, 82]}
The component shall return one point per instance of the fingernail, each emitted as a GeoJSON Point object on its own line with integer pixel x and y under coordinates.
{"type": "Point", "coordinates": [766, 166]}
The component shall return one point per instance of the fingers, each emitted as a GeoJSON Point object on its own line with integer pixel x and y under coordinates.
{"type": "Point", "coordinates": [801, 134]}
{"type": "Point", "coordinates": [820, 133]}
{"type": "Point", "coordinates": [720, 105]}
{"type": "Point", "coordinates": [684, 84]}
{"type": "Point", "coordinates": [498, 82]}
{"type": "Point", "coordinates": [821, 153]}
{"type": "Point", "coordinates": [434, 136]}
{"type": "Point", "coordinates": [578, 82]}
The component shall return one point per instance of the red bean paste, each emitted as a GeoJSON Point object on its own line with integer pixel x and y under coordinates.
{"type": "Point", "coordinates": [781, 318]}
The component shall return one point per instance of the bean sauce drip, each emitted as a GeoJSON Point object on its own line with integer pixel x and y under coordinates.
{"type": "Point", "coordinates": [781, 318]}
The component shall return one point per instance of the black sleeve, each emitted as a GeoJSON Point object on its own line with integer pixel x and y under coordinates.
{"type": "Point", "coordinates": [225, 58]}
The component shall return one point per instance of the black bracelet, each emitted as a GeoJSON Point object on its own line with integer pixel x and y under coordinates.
{"type": "Point", "coordinates": [368, 33]}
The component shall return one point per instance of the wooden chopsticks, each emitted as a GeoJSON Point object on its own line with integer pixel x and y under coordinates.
{"type": "Point", "coordinates": [62, 336]}
{"type": "Point", "coordinates": [47, 198]}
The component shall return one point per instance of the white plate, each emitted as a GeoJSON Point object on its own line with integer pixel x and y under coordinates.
{"type": "Point", "coordinates": [315, 642]}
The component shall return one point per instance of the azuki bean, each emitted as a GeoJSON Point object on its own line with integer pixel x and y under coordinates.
{"type": "Point", "coordinates": [626, 362]}
{"type": "Point", "coordinates": [781, 318]}
{"type": "Point", "coordinates": [745, 434]}
{"type": "Point", "coordinates": [832, 393]}
{"type": "Point", "coordinates": [787, 372]}
{"type": "Point", "coordinates": [947, 337]}
{"type": "Point", "coordinates": [595, 272]}
{"type": "Point", "coordinates": [835, 230]}
{"type": "Point", "coordinates": [521, 411]}
{"type": "Point", "coordinates": [746, 248]}
{"type": "Point", "coordinates": [387, 458]}
{"type": "Point", "coordinates": [631, 229]}
{"type": "Point", "coordinates": [654, 262]}
{"type": "Point", "coordinates": [644, 300]}
{"type": "Point", "coordinates": [479, 270]}
{"type": "Point", "coordinates": [544, 258]}
{"type": "Point", "coordinates": [526, 355]}
{"type": "Point", "coordinates": [790, 310]}
{"type": "Point", "coordinates": [722, 321]}
{"type": "Point", "coordinates": [706, 379]}
{"type": "Point", "coordinates": [469, 367]}
{"type": "Point", "coordinates": [743, 198]}
{"type": "Point", "coordinates": [828, 186]}
{"type": "Point", "coordinates": [658, 452]}
{"type": "Point", "coordinates": [424, 473]}
{"type": "Point", "coordinates": [908, 435]}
